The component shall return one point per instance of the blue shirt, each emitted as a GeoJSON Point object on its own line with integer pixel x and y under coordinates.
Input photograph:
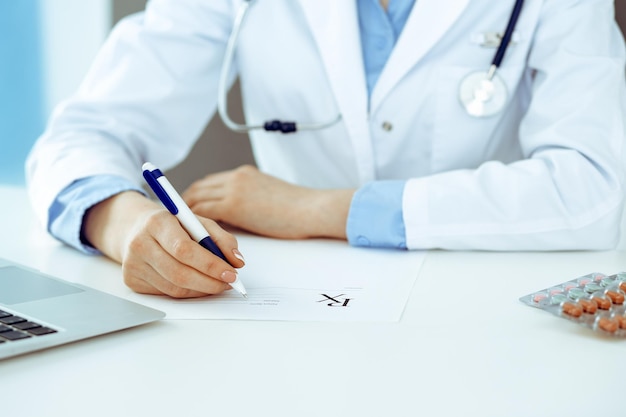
{"type": "Point", "coordinates": [380, 200]}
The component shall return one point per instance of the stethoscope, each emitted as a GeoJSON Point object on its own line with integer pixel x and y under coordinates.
{"type": "Point", "coordinates": [484, 94]}
{"type": "Point", "coordinates": [481, 93]}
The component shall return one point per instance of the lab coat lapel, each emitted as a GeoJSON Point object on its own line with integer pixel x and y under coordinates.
{"type": "Point", "coordinates": [335, 28]}
{"type": "Point", "coordinates": [428, 22]}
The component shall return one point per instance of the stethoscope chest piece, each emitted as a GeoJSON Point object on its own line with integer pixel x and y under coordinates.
{"type": "Point", "coordinates": [483, 94]}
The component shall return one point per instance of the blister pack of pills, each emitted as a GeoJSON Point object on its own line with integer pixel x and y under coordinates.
{"type": "Point", "coordinates": [595, 300]}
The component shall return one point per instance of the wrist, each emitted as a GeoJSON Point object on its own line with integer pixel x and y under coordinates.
{"type": "Point", "coordinates": [328, 213]}
{"type": "Point", "coordinates": [106, 224]}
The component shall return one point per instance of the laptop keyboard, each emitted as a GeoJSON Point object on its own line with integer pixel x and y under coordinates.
{"type": "Point", "coordinates": [13, 328]}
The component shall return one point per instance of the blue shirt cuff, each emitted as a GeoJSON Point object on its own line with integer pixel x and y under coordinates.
{"type": "Point", "coordinates": [375, 218]}
{"type": "Point", "coordinates": [65, 215]}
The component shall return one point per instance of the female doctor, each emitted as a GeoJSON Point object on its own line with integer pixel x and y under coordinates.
{"type": "Point", "coordinates": [414, 129]}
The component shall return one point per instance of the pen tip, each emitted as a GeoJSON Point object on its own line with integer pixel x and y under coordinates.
{"type": "Point", "coordinates": [245, 295]}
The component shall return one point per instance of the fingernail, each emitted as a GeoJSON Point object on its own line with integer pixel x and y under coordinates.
{"type": "Point", "coordinates": [228, 276]}
{"type": "Point", "coordinates": [238, 255]}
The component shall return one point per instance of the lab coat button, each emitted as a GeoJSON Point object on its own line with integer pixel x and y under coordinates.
{"type": "Point", "coordinates": [363, 241]}
{"type": "Point", "coordinates": [387, 126]}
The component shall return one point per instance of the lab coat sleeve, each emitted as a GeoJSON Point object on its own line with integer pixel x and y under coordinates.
{"type": "Point", "coordinates": [567, 192]}
{"type": "Point", "coordinates": [147, 97]}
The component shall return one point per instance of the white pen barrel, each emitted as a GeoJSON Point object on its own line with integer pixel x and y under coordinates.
{"type": "Point", "coordinates": [189, 220]}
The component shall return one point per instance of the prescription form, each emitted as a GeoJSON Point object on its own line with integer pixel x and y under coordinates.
{"type": "Point", "coordinates": [306, 280]}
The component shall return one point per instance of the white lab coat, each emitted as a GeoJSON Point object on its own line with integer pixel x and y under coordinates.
{"type": "Point", "coordinates": [546, 173]}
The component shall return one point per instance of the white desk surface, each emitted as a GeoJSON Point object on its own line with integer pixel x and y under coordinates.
{"type": "Point", "coordinates": [465, 346]}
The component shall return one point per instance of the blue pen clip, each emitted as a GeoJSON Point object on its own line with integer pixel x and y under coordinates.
{"type": "Point", "coordinates": [151, 179]}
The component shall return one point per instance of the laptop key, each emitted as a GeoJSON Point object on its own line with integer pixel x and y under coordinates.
{"type": "Point", "coordinates": [14, 335]}
{"type": "Point", "coordinates": [26, 325]}
{"type": "Point", "coordinates": [5, 314]}
{"type": "Point", "coordinates": [39, 331]}
{"type": "Point", "coordinates": [4, 328]}
{"type": "Point", "coordinates": [12, 319]}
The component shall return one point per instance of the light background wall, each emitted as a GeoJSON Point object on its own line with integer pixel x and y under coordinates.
{"type": "Point", "coordinates": [71, 33]}
{"type": "Point", "coordinates": [21, 110]}
{"type": "Point", "coordinates": [46, 47]}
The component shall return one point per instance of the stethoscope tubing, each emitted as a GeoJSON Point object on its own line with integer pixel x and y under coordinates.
{"type": "Point", "coordinates": [222, 94]}
{"type": "Point", "coordinates": [508, 34]}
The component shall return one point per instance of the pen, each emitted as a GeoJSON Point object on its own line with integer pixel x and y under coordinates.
{"type": "Point", "coordinates": [175, 204]}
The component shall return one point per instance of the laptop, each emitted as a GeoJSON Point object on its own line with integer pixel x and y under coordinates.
{"type": "Point", "coordinates": [38, 311]}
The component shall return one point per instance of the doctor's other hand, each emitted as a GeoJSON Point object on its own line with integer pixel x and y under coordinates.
{"type": "Point", "coordinates": [156, 253]}
{"type": "Point", "coordinates": [259, 203]}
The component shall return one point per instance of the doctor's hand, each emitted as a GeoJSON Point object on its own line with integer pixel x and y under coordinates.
{"type": "Point", "coordinates": [262, 204]}
{"type": "Point", "coordinates": [156, 253]}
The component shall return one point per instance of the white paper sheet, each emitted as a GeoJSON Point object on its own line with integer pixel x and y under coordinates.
{"type": "Point", "coordinates": [307, 280]}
